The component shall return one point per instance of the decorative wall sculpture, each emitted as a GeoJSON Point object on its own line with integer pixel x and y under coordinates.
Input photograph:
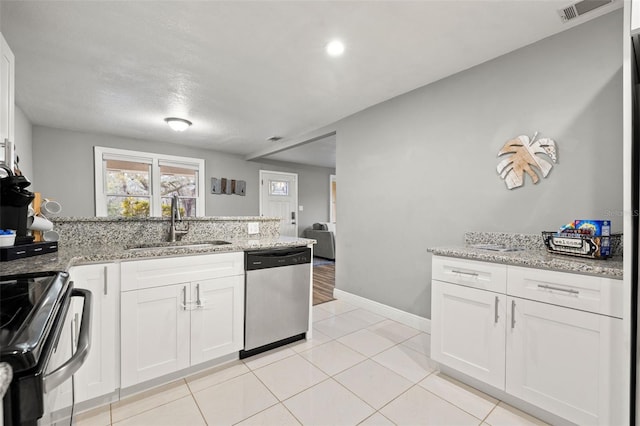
{"type": "Point", "coordinates": [526, 159]}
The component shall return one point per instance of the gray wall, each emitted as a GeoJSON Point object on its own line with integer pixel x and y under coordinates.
{"type": "Point", "coordinates": [419, 170]}
{"type": "Point", "coordinates": [63, 161]}
{"type": "Point", "coordinates": [23, 136]}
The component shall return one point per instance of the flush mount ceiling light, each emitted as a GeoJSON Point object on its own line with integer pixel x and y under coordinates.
{"type": "Point", "coordinates": [335, 48]}
{"type": "Point", "coordinates": [178, 124]}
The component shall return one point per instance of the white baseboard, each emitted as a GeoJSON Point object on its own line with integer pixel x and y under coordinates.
{"type": "Point", "coordinates": [412, 320]}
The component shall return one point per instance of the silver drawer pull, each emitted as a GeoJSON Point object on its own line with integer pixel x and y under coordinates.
{"type": "Point", "coordinates": [496, 317]}
{"type": "Point", "coordinates": [513, 314]}
{"type": "Point", "coordinates": [184, 298]}
{"type": "Point", "coordinates": [566, 290]}
{"type": "Point", "coordinates": [471, 274]}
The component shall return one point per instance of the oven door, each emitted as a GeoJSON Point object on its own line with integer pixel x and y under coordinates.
{"type": "Point", "coordinates": [68, 355]}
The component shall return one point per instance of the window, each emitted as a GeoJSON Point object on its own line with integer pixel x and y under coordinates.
{"type": "Point", "coordinates": [140, 184]}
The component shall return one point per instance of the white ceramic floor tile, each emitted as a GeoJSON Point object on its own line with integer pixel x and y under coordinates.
{"type": "Point", "coordinates": [328, 403]}
{"type": "Point", "coordinates": [406, 362]}
{"type": "Point", "coordinates": [318, 338]}
{"type": "Point", "coordinates": [337, 307]}
{"type": "Point", "coordinates": [506, 415]}
{"type": "Point", "coordinates": [373, 383]}
{"type": "Point", "coordinates": [340, 325]}
{"type": "Point", "coordinates": [333, 357]}
{"type": "Point", "coordinates": [364, 315]}
{"type": "Point", "coordinates": [420, 342]}
{"type": "Point", "coordinates": [269, 357]}
{"type": "Point", "coordinates": [184, 411]}
{"type": "Point", "coordinates": [289, 376]}
{"type": "Point", "coordinates": [319, 314]}
{"type": "Point", "coordinates": [100, 416]}
{"type": "Point", "coordinates": [393, 330]}
{"type": "Point", "coordinates": [469, 399]}
{"type": "Point", "coordinates": [366, 342]}
{"type": "Point", "coordinates": [276, 415]}
{"type": "Point", "coordinates": [377, 419]}
{"type": "Point", "coordinates": [234, 400]}
{"type": "Point", "coordinates": [216, 375]}
{"type": "Point", "coordinates": [145, 401]}
{"type": "Point", "coordinates": [419, 407]}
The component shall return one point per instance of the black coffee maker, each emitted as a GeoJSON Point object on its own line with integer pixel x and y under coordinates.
{"type": "Point", "coordinates": [14, 205]}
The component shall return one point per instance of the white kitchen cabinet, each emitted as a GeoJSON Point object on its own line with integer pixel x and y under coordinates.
{"type": "Point", "coordinates": [155, 332]}
{"type": "Point", "coordinates": [99, 375]}
{"type": "Point", "coordinates": [467, 331]}
{"type": "Point", "coordinates": [7, 102]}
{"type": "Point", "coordinates": [217, 321]}
{"type": "Point", "coordinates": [556, 339]}
{"type": "Point", "coordinates": [565, 361]}
{"type": "Point", "coordinates": [175, 320]}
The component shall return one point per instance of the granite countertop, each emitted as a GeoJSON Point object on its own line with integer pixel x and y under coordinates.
{"type": "Point", "coordinates": [68, 256]}
{"type": "Point", "coordinates": [537, 258]}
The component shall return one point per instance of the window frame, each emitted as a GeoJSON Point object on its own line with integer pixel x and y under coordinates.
{"type": "Point", "coordinates": [155, 209]}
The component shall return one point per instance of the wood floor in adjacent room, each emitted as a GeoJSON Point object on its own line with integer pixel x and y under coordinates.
{"type": "Point", "coordinates": [324, 281]}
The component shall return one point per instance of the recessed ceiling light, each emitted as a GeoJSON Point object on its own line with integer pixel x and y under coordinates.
{"type": "Point", "coordinates": [335, 48]}
{"type": "Point", "coordinates": [178, 124]}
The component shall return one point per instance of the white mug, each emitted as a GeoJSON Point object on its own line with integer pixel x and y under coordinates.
{"type": "Point", "coordinates": [50, 207]}
{"type": "Point", "coordinates": [38, 223]}
{"type": "Point", "coordinates": [50, 236]}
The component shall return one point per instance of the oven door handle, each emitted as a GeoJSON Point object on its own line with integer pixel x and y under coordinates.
{"type": "Point", "coordinates": [66, 370]}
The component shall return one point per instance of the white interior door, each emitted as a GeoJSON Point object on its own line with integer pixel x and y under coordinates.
{"type": "Point", "coordinates": [279, 198]}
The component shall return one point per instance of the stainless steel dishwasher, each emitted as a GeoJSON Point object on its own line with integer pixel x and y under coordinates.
{"type": "Point", "coordinates": [277, 298]}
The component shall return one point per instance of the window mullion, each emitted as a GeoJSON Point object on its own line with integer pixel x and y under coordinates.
{"type": "Point", "coordinates": [156, 201]}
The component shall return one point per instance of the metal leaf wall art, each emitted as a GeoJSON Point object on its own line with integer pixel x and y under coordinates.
{"type": "Point", "coordinates": [526, 158]}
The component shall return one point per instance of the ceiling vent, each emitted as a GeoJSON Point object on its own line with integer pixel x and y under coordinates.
{"type": "Point", "coordinates": [580, 8]}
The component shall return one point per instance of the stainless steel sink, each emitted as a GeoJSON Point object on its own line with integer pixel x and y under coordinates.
{"type": "Point", "coordinates": [166, 245]}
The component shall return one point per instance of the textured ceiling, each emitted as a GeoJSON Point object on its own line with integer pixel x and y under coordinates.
{"type": "Point", "coordinates": [244, 71]}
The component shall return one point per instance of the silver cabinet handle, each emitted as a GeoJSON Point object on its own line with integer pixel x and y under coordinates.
{"type": "Point", "coordinates": [198, 301]}
{"type": "Point", "coordinates": [184, 298]}
{"type": "Point", "coordinates": [106, 278]}
{"type": "Point", "coordinates": [550, 287]}
{"type": "Point", "coordinates": [496, 316]}
{"type": "Point", "coordinates": [66, 370]}
{"type": "Point", "coordinates": [471, 274]}
{"type": "Point", "coordinates": [513, 314]}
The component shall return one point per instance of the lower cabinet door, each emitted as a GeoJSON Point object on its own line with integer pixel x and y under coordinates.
{"type": "Point", "coordinates": [217, 318]}
{"type": "Point", "coordinates": [565, 361]}
{"type": "Point", "coordinates": [155, 332]}
{"type": "Point", "coordinates": [99, 374]}
{"type": "Point", "coordinates": [468, 331]}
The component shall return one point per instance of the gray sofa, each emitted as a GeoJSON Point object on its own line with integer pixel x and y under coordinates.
{"type": "Point", "coordinates": [324, 234]}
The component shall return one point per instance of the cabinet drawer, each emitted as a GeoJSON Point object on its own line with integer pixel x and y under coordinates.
{"type": "Point", "coordinates": [588, 293]}
{"type": "Point", "coordinates": [470, 273]}
{"type": "Point", "coordinates": [149, 273]}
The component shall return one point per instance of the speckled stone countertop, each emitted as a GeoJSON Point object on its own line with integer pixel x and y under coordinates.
{"type": "Point", "coordinates": [68, 256]}
{"type": "Point", "coordinates": [533, 256]}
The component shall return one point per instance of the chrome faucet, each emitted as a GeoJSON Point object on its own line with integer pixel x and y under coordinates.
{"type": "Point", "coordinates": [175, 215]}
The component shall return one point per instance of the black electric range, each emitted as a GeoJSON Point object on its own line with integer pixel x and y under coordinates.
{"type": "Point", "coordinates": [33, 310]}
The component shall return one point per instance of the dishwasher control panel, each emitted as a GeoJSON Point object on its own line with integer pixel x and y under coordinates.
{"type": "Point", "coordinates": [275, 258]}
